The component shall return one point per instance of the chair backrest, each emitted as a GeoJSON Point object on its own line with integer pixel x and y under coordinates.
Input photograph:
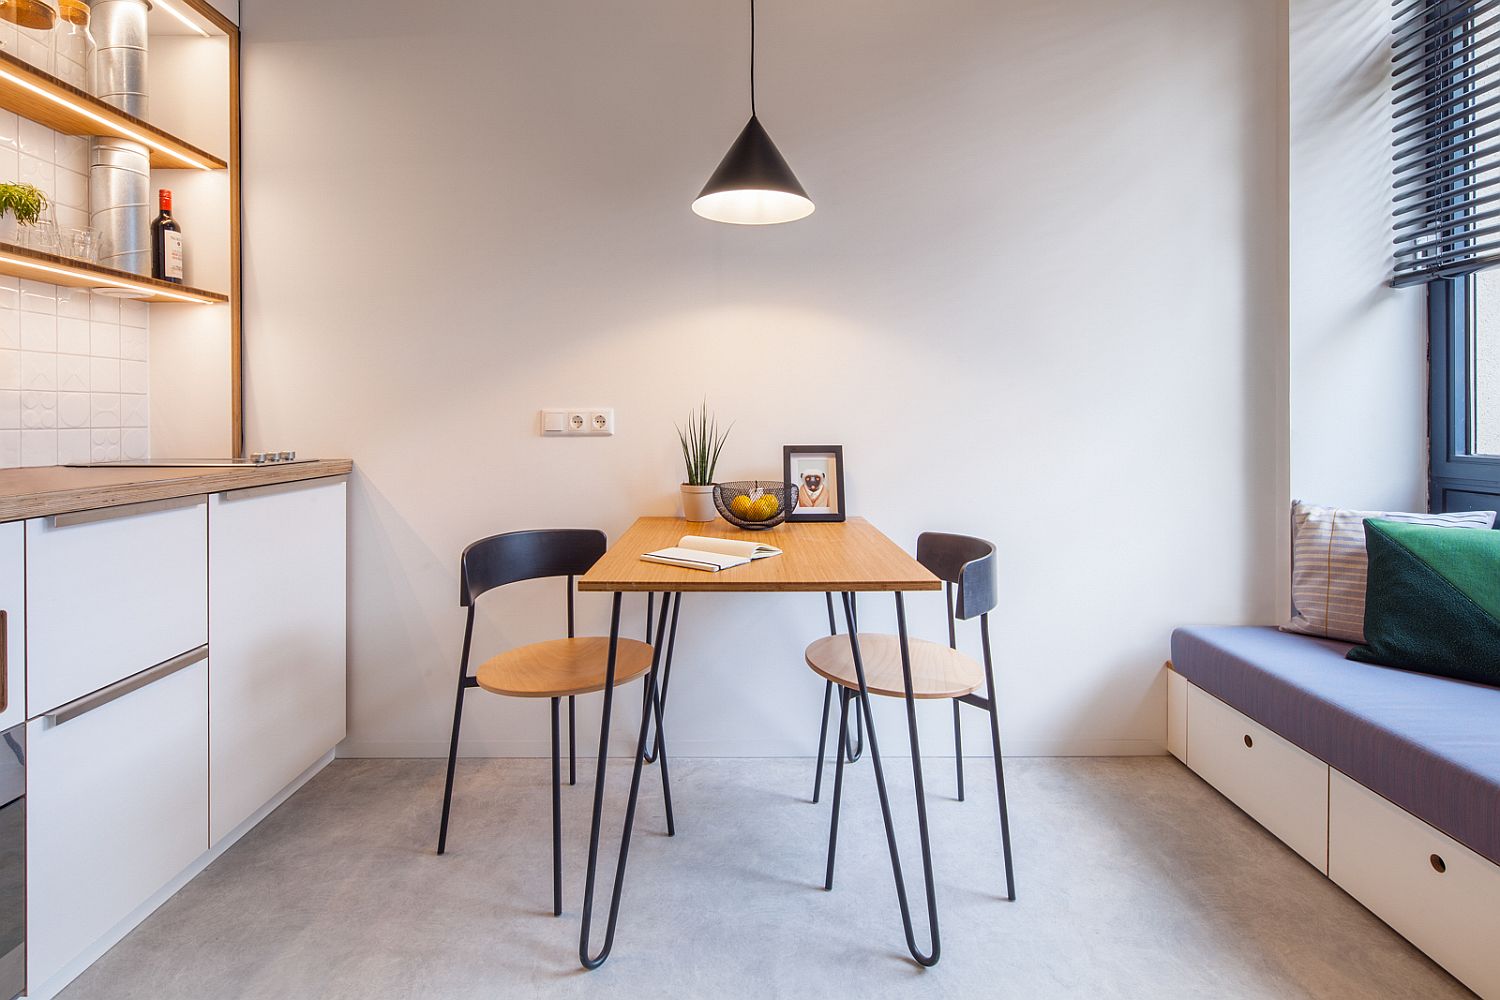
{"type": "Point", "coordinates": [964, 561]}
{"type": "Point", "coordinates": [526, 555]}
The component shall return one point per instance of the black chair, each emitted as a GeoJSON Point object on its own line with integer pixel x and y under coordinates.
{"type": "Point", "coordinates": [557, 669]}
{"type": "Point", "coordinates": [966, 565]}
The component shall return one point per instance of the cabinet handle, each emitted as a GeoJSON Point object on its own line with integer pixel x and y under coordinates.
{"type": "Point", "coordinates": [121, 688]}
{"type": "Point", "coordinates": [1248, 741]}
{"type": "Point", "coordinates": [272, 489]}
{"type": "Point", "coordinates": [4, 660]}
{"type": "Point", "coordinates": [1438, 864]}
{"type": "Point", "coordinates": [125, 510]}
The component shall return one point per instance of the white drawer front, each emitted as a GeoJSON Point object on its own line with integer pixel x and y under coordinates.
{"type": "Point", "coordinates": [117, 806]}
{"type": "Point", "coordinates": [111, 597]}
{"type": "Point", "coordinates": [1282, 786]}
{"type": "Point", "coordinates": [13, 625]}
{"type": "Point", "coordinates": [1384, 857]}
{"type": "Point", "coordinates": [277, 613]}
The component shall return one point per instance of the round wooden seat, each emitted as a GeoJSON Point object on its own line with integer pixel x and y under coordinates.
{"type": "Point", "coordinates": [936, 671]}
{"type": "Point", "coordinates": [563, 667]}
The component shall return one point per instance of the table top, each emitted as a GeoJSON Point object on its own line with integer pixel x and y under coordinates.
{"type": "Point", "coordinates": [816, 557]}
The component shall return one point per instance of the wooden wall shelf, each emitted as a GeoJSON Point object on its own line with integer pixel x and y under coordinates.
{"type": "Point", "coordinates": [53, 269]}
{"type": "Point", "coordinates": [45, 99]}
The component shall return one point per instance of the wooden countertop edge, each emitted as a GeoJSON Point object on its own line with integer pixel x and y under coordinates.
{"type": "Point", "coordinates": [190, 482]}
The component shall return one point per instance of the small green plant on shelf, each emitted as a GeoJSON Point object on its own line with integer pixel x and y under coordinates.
{"type": "Point", "coordinates": [25, 202]}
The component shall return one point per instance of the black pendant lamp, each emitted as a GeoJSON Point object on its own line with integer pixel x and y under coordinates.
{"type": "Point", "coordinates": [753, 186]}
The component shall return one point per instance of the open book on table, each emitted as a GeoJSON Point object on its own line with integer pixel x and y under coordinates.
{"type": "Point", "coordinates": [711, 554]}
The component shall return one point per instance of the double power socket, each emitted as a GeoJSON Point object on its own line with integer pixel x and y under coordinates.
{"type": "Point", "coordinates": [593, 421]}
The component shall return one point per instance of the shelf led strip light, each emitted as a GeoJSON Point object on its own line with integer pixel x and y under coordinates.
{"type": "Point", "coordinates": [171, 8]}
{"type": "Point", "coordinates": [104, 279]}
{"type": "Point", "coordinates": [115, 128]}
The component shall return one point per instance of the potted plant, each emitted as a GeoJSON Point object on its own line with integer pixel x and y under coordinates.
{"type": "Point", "coordinates": [701, 444]}
{"type": "Point", "coordinates": [24, 204]}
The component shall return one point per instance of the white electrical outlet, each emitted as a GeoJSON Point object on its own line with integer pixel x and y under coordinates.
{"type": "Point", "coordinates": [592, 422]}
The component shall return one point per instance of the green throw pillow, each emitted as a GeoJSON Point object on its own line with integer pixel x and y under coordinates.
{"type": "Point", "coordinates": [1432, 600]}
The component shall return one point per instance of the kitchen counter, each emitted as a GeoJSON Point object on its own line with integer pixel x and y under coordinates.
{"type": "Point", "coordinates": [56, 489]}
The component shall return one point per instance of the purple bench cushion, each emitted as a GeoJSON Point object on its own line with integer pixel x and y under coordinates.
{"type": "Point", "coordinates": [1429, 744]}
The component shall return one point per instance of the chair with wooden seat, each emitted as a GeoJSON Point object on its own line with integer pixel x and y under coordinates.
{"type": "Point", "coordinates": [966, 565]}
{"type": "Point", "coordinates": [555, 669]}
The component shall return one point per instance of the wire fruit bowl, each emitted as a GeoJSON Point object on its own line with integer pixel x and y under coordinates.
{"type": "Point", "coordinates": [755, 504]}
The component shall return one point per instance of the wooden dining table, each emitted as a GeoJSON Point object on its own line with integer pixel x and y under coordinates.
{"type": "Point", "coordinates": [846, 558]}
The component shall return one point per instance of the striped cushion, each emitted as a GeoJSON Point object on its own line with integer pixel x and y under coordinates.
{"type": "Point", "coordinates": [1328, 565]}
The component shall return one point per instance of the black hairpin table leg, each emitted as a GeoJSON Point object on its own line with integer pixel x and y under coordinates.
{"type": "Point", "coordinates": [666, 675]}
{"type": "Point", "coordinates": [594, 961]}
{"type": "Point", "coordinates": [885, 805]}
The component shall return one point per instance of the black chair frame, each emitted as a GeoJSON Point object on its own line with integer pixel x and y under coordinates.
{"type": "Point", "coordinates": [512, 557]}
{"type": "Point", "coordinates": [966, 566]}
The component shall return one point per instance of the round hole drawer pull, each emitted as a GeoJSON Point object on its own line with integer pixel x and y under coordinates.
{"type": "Point", "coordinates": [1248, 741]}
{"type": "Point", "coordinates": [1438, 864]}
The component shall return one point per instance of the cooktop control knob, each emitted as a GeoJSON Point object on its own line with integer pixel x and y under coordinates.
{"type": "Point", "coordinates": [259, 458]}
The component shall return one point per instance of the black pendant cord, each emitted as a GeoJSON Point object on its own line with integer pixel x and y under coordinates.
{"type": "Point", "coordinates": [752, 58]}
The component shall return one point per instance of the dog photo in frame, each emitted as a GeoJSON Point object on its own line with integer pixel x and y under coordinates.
{"type": "Point", "coordinates": [817, 470]}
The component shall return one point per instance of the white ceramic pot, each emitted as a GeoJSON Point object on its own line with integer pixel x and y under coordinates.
{"type": "Point", "coordinates": [698, 503]}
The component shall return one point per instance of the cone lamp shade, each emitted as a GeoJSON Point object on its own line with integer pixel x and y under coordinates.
{"type": "Point", "coordinates": [753, 186]}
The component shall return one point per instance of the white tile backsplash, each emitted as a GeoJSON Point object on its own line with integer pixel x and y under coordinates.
{"type": "Point", "coordinates": [39, 332]}
{"type": "Point", "coordinates": [72, 335]}
{"type": "Point", "coordinates": [39, 447]}
{"type": "Point", "coordinates": [72, 446]}
{"type": "Point", "coordinates": [72, 409]}
{"type": "Point", "coordinates": [104, 374]}
{"type": "Point", "coordinates": [39, 371]}
{"type": "Point", "coordinates": [104, 340]}
{"type": "Point", "coordinates": [66, 395]}
{"type": "Point", "coordinates": [73, 373]}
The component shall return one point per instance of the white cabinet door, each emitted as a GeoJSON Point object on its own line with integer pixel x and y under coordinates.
{"type": "Point", "coordinates": [1282, 786]}
{"type": "Point", "coordinates": [110, 593]}
{"type": "Point", "coordinates": [13, 623]}
{"type": "Point", "coordinates": [276, 617]}
{"type": "Point", "coordinates": [117, 805]}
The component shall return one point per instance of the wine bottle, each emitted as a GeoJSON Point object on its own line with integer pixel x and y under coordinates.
{"type": "Point", "coordinates": [166, 242]}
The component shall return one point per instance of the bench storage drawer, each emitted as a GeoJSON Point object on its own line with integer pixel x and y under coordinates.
{"type": "Point", "coordinates": [1280, 785]}
{"type": "Point", "coordinates": [1438, 894]}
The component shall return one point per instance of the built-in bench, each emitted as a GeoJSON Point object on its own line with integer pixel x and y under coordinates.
{"type": "Point", "coordinates": [1387, 781]}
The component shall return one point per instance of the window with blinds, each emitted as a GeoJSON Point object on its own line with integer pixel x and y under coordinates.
{"type": "Point", "coordinates": [1446, 107]}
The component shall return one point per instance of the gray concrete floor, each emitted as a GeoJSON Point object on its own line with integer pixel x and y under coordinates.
{"type": "Point", "coordinates": [1135, 880]}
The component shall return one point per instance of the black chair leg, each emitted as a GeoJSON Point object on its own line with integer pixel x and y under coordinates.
{"type": "Point", "coordinates": [958, 748]}
{"type": "Point", "coordinates": [458, 712]}
{"type": "Point", "coordinates": [823, 740]}
{"type": "Point", "coordinates": [838, 788]}
{"type": "Point", "coordinates": [572, 743]}
{"type": "Point", "coordinates": [556, 812]}
{"type": "Point", "coordinates": [989, 679]}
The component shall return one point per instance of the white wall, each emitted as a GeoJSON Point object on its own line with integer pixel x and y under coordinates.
{"type": "Point", "coordinates": [1042, 300]}
{"type": "Point", "coordinates": [1358, 348]}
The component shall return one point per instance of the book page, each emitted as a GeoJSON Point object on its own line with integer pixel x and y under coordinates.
{"type": "Point", "coordinates": [728, 546]}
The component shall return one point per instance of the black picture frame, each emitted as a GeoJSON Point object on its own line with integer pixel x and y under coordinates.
{"type": "Point", "coordinates": [833, 454]}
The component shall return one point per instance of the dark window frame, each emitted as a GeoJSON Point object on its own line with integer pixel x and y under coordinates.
{"type": "Point", "coordinates": [1458, 480]}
